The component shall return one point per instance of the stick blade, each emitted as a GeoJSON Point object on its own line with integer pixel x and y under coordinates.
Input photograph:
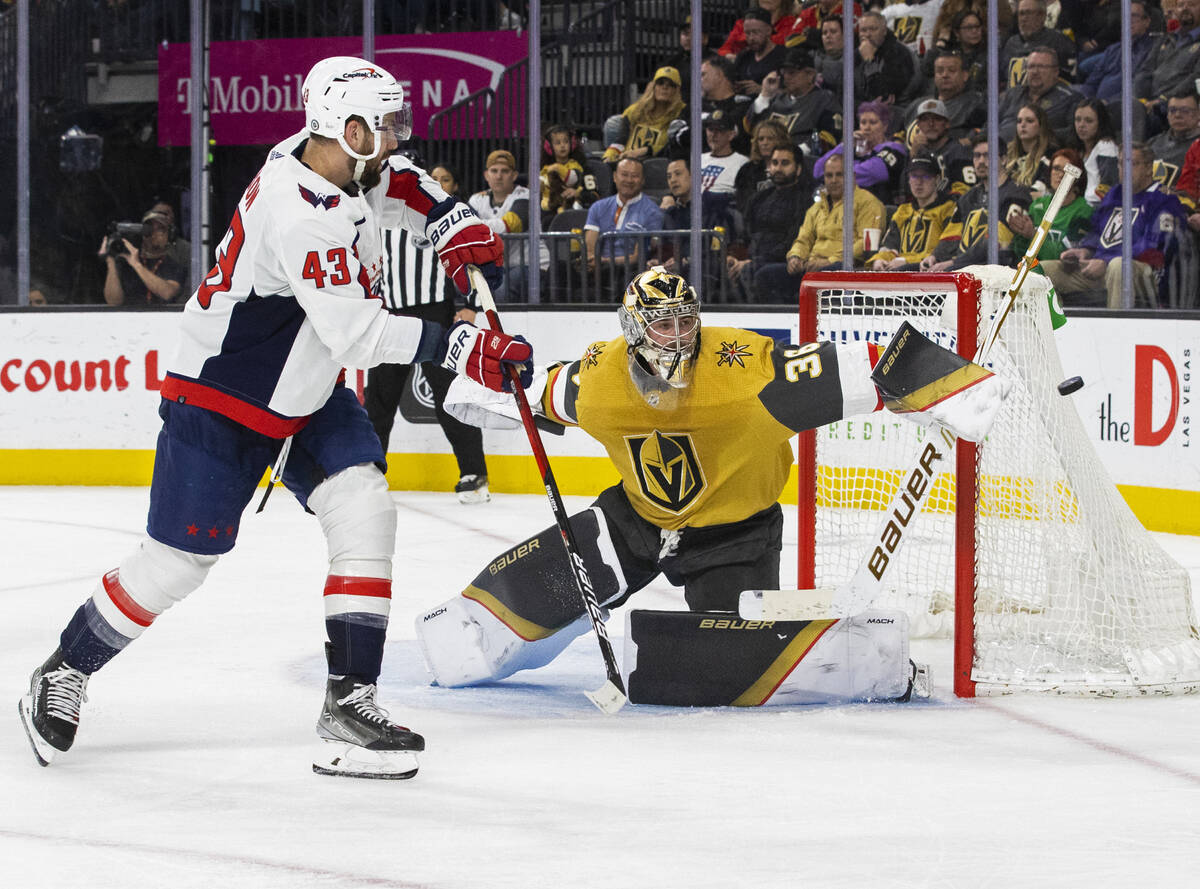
{"type": "Point", "coordinates": [609, 697]}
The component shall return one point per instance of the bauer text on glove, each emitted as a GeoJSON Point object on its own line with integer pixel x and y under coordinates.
{"type": "Point", "coordinates": [461, 238]}
{"type": "Point", "coordinates": [480, 355]}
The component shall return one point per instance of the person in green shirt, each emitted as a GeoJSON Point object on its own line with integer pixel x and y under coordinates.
{"type": "Point", "coordinates": [1073, 221]}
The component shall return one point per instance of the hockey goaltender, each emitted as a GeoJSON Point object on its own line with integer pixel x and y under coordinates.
{"type": "Point", "coordinates": [697, 423]}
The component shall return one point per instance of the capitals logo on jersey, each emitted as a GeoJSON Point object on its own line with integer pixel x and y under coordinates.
{"type": "Point", "coordinates": [667, 469]}
{"type": "Point", "coordinates": [328, 201]}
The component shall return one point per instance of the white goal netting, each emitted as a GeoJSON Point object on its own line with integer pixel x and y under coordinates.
{"type": "Point", "coordinates": [1071, 594]}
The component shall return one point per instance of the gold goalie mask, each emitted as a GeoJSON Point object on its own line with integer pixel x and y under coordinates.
{"type": "Point", "coordinates": [660, 318]}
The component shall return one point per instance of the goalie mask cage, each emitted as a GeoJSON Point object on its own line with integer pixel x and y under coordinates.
{"type": "Point", "coordinates": [1025, 550]}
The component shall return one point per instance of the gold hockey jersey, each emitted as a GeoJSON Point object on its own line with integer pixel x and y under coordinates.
{"type": "Point", "coordinates": [720, 453]}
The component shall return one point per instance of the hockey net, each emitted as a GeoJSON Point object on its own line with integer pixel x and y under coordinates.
{"type": "Point", "coordinates": [1059, 586]}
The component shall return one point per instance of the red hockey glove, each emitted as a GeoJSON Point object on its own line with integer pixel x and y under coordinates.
{"type": "Point", "coordinates": [462, 239]}
{"type": "Point", "coordinates": [480, 355]}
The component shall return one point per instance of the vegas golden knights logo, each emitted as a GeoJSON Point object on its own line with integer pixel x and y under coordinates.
{"type": "Point", "coordinates": [906, 28]}
{"type": "Point", "coordinates": [974, 229]}
{"type": "Point", "coordinates": [1165, 173]}
{"type": "Point", "coordinates": [668, 472]}
{"type": "Point", "coordinates": [914, 235]}
{"type": "Point", "coordinates": [1016, 71]}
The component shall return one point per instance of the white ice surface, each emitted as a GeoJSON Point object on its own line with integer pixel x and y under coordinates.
{"type": "Point", "coordinates": [192, 765]}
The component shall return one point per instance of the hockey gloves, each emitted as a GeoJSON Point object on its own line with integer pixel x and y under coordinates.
{"type": "Point", "coordinates": [480, 355]}
{"type": "Point", "coordinates": [461, 238]}
{"type": "Point", "coordinates": [924, 382]}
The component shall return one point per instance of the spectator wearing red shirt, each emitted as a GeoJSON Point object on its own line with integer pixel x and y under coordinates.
{"type": "Point", "coordinates": [1189, 176]}
{"type": "Point", "coordinates": [807, 28]}
{"type": "Point", "coordinates": [782, 20]}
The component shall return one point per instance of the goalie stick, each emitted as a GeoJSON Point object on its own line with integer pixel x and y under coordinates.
{"type": "Point", "coordinates": [610, 697]}
{"type": "Point", "coordinates": [863, 588]}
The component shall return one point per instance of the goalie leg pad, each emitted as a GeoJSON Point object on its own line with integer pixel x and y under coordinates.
{"type": "Point", "coordinates": [713, 659]}
{"type": "Point", "coordinates": [523, 609]}
{"type": "Point", "coordinates": [917, 376]}
{"type": "Point", "coordinates": [464, 644]}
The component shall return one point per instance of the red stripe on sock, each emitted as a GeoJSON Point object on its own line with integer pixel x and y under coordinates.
{"type": "Point", "coordinates": [339, 585]}
{"type": "Point", "coordinates": [124, 602]}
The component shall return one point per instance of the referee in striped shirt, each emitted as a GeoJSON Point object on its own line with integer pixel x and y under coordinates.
{"type": "Point", "coordinates": [414, 284]}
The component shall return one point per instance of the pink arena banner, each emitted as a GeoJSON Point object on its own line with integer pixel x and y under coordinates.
{"type": "Point", "coordinates": [254, 86]}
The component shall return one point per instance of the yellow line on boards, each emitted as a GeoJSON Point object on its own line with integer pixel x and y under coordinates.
{"type": "Point", "coordinates": [1159, 509]}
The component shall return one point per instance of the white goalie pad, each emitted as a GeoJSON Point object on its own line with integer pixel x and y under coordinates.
{"type": "Point", "coordinates": [710, 659]}
{"type": "Point", "coordinates": [473, 404]}
{"type": "Point", "coordinates": [463, 644]}
{"type": "Point", "coordinates": [860, 658]}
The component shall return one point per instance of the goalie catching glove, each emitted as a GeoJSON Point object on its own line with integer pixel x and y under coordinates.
{"type": "Point", "coordinates": [486, 409]}
{"type": "Point", "coordinates": [461, 239]}
{"type": "Point", "coordinates": [922, 381]}
{"type": "Point", "coordinates": [480, 355]}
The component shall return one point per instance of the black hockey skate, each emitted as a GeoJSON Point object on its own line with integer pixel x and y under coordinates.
{"type": "Point", "coordinates": [50, 711]}
{"type": "Point", "coordinates": [358, 739]}
{"type": "Point", "coordinates": [472, 489]}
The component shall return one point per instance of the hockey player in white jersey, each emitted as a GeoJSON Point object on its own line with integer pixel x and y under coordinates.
{"type": "Point", "coordinates": [292, 300]}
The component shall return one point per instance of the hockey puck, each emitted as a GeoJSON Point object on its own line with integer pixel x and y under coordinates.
{"type": "Point", "coordinates": [1069, 385]}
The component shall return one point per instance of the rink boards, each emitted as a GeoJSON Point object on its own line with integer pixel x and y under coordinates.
{"type": "Point", "coordinates": [79, 392]}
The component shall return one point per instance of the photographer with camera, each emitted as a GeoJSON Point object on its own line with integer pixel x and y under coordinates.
{"type": "Point", "coordinates": [141, 272]}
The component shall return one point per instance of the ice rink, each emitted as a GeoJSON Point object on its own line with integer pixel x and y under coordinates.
{"type": "Point", "coordinates": [192, 765]}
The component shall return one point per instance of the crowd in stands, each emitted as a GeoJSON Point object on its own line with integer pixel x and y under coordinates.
{"type": "Point", "coordinates": [772, 169]}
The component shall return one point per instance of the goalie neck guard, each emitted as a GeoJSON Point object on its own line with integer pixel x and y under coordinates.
{"type": "Point", "coordinates": [660, 318]}
{"type": "Point", "coordinates": [342, 87]}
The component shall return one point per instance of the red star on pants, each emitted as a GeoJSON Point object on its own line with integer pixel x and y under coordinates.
{"type": "Point", "coordinates": [192, 529]}
{"type": "Point", "coordinates": [213, 532]}
{"type": "Point", "coordinates": [229, 530]}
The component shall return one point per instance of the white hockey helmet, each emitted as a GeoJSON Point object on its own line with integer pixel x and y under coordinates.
{"type": "Point", "coordinates": [660, 318]}
{"type": "Point", "coordinates": [342, 87]}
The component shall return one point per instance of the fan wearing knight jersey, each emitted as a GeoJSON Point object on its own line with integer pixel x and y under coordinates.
{"type": "Point", "coordinates": [256, 381]}
{"type": "Point", "coordinates": [697, 422]}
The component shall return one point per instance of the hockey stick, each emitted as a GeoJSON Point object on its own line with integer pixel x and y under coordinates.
{"type": "Point", "coordinates": [863, 588]}
{"type": "Point", "coordinates": [610, 697]}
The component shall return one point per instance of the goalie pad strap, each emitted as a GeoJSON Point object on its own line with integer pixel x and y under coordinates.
{"type": "Point", "coordinates": [916, 373]}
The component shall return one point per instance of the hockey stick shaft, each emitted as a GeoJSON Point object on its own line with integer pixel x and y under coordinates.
{"type": "Point", "coordinates": [611, 696]}
{"type": "Point", "coordinates": [915, 485]}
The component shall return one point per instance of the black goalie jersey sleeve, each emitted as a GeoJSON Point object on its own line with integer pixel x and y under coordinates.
{"type": "Point", "coordinates": [818, 383]}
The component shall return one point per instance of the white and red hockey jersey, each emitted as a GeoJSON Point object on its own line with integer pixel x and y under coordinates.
{"type": "Point", "coordinates": [294, 295]}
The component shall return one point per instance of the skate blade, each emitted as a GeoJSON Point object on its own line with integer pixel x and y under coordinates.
{"type": "Point", "coordinates": [42, 751]}
{"type": "Point", "coordinates": [608, 697]}
{"type": "Point", "coordinates": [479, 496]}
{"type": "Point", "coordinates": [352, 761]}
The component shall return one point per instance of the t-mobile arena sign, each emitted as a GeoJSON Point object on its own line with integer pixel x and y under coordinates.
{"type": "Point", "coordinates": [254, 86]}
